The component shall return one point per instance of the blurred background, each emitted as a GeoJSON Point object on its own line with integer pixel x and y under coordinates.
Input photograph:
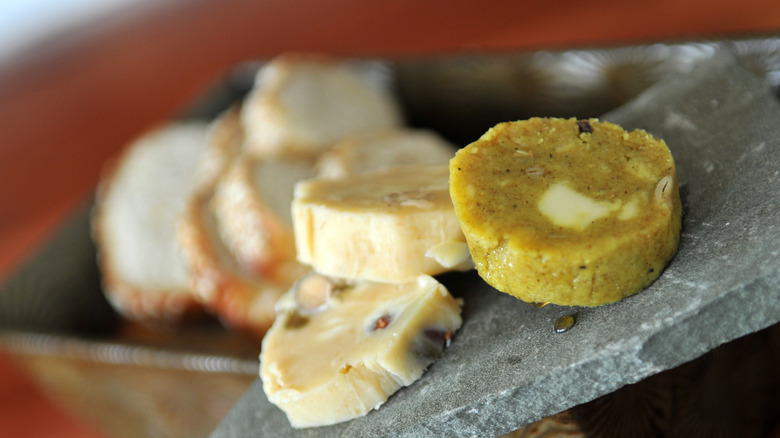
{"type": "Point", "coordinates": [81, 78]}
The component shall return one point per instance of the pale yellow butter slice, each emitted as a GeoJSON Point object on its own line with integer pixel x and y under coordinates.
{"type": "Point", "coordinates": [389, 225]}
{"type": "Point", "coordinates": [354, 345]}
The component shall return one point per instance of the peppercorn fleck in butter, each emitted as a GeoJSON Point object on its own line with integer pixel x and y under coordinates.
{"type": "Point", "coordinates": [572, 212]}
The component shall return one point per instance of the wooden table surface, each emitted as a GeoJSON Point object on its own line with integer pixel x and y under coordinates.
{"type": "Point", "coordinates": [70, 104]}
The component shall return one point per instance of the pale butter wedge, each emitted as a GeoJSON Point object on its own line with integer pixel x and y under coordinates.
{"type": "Point", "coordinates": [355, 345]}
{"type": "Point", "coordinates": [391, 225]}
{"type": "Point", "coordinates": [566, 211]}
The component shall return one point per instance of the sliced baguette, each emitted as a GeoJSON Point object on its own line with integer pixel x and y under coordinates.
{"type": "Point", "coordinates": [252, 206]}
{"type": "Point", "coordinates": [224, 144]}
{"type": "Point", "coordinates": [242, 301]}
{"type": "Point", "coordinates": [302, 104]}
{"type": "Point", "coordinates": [139, 200]}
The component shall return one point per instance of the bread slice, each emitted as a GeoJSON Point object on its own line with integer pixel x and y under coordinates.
{"type": "Point", "coordinates": [380, 149]}
{"type": "Point", "coordinates": [242, 301]}
{"type": "Point", "coordinates": [252, 206]}
{"type": "Point", "coordinates": [139, 200]}
{"type": "Point", "coordinates": [224, 144]}
{"type": "Point", "coordinates": [302, 104]}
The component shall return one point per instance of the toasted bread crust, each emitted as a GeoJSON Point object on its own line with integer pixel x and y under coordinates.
{"type": "Point", "coordinates": [240, 300]}
{"type": "Point", "coordinates": [255, 231]}
{"type": "Point", "coordinates": [225, 143]}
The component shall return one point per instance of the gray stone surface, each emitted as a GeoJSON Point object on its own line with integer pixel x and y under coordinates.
{"type": "Point", "coordinates": [507, 367]}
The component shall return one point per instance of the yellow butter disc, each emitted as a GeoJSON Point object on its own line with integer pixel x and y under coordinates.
{"type": "Point", "coordinates": [572, 212]}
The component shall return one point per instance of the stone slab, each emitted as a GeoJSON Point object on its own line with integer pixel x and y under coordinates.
{"type": "Point", "coordinates": [507, 367]}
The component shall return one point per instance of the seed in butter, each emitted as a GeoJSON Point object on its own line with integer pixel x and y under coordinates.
{"type": "Point", "coordinates": [360, 344]}
{"type": "Point", "coordinates": [588, 216]}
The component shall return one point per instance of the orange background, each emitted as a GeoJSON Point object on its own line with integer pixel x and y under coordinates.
{"type": "Point", "coordinates": [73, 102]}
